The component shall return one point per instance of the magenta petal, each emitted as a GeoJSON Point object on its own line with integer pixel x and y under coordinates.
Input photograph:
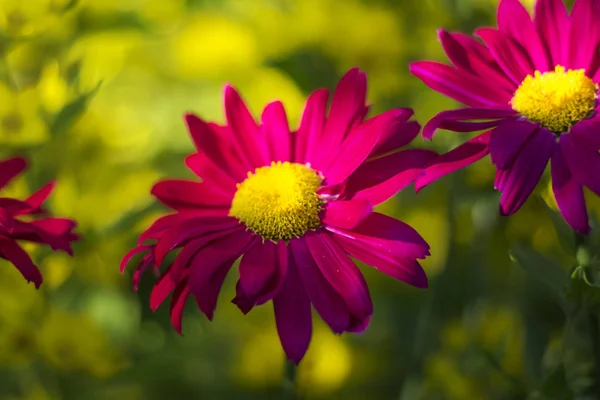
{"type": "Point", "coordinates": [587, 133]}
{"type": "Point", "coordinates": [327, 302]}
{"type": "Point", "coordinates": [387, 235]}
{"type": "Point", "coordinates": [346, 214]}
{"type": "Point", "coordinates": [342, 274]}
{"type": "Point", "coordinates": [178, 300]}
{"type": "Point", "coordinates": [162, 288]}
{"type": "Point", "coordinates": [509, 54]}
{"type": "Point", "coordinates": [357, 146]}
{"type": "Point", "coordinates": [55, 232]}
{"type": "Point", "coordinates": [465, 154]}
{"type": "Point", "coordinates": [395, 136]}
{"type": "Point", "coordinates": [38, 198]}
{"type": "Point", "coordinates": [552, 23]}
{"type": "Point", "coordinates": [10, 250]}
{"type": "Point", "coordinates": [262, 271]}
{"type": "Point", "coordinates": [130, 254]}
{"type": "Point", "coordinates": [211, 174]}
{"type": "Point", "coordinates": [470, 55]}
{"type": "Point", "coordinates": [568, 194]}
{"type": "Point", "coordinates": [158, 226]}
{"type": "Point", "coordinates": [514, 21]}
{"type": "Point", "coordinates": [583, 162]}
{"type": "Point", "coordinates": [277, 132]}
{"type": "Point", "coordinates": [210, 264]}
{"type": "Point", "coordinates": [453, 120]}
{"type": "Point", "coordinates": [245, 131]}
{"type": "Point", "coordinates": [380, 179]}
{"type": "Point", "coordinates": [459, 85]}
{"type": "Point", "coordinates": [182, 195]}
{"type": "Point", "coordinates": [311, 126]}
{"type": "Point", "coordinates": [507, 139]}
{"type": "Point", "coordinates": [146, 262]}
{"type": "Point", "coordinates": [584, 35]}
{"type": "Point", "coordinates": [518, 181]}
{"type": "Point", "coordinates": [194, 228]}
{"type": "Point", "coordinates": [347, 107]}
{"type": "Point", "coordinates": [10, 168]}
{"type": "Point", "coordinates": [293, 316]}
{"type": "Point", "coordinates": [216, 143]}
{"type": "Point", "coordinates": [403, 269]}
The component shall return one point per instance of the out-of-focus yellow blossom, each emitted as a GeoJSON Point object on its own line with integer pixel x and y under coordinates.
{"type": "Point", "coordinates": [73, 342]}
{"type": "Point", "coordinates": [57, 269]}
{"type": "Point", "coordinates": [443, 373]}
{"type": "Point", "coordinates": [24, 18]}
{"type": "Point", "coordinates": [455, 336]}
{"type": "Point", "coordinates": [432, 225]}
{"type": "Point", "coordinates": [17, 342]}
{"type": "Point", "coordinates": [53, 88]}
{"type": "Point", "coordinates": [327, 364]}
{"type": "Point", "coordinates": [213, 46]}
{"type": "Point", "coordinates": [261, 360]}
{"type": "Point", "coordinates": [20, 121]}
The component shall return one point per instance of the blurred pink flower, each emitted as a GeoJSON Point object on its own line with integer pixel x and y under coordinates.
{"type": "Point", "coordinates": [55, 232]}
{"type": "Point", "coordinates": [295, 205]}
{"type": "Point", "coordinates": [532, 86]}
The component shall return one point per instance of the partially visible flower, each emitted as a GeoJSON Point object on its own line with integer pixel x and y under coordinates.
{"type": "Point", "coordinates": [533, 86]}
{"type": "Point", "coordinates": [295, 205]}
{"type": "Point", "coordinates": [55, 232]}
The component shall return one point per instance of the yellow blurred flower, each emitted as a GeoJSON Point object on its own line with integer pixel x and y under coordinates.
{"type": "Point", "coordinates": [23, 18]}
{"type": "Point", "coordinates": [261, 360]}
{"type": "Point", "coordinates": [444, 373]}
{"type": "Point", "coordinates": [73, 342]}
{"type": "Point", "coordinates": [20, 122]}
{"type": "Point", "coordinates": [52, 88]}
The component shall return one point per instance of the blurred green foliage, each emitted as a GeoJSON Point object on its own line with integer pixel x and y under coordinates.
{"type": "Point", "coordinates": [93, 92]}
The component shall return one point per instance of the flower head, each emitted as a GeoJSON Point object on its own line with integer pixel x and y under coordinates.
{"type": "Point", "coordinates": [295, 205]}
{"type": "Point", "coordinates": [533, 87]}
{"type": "Point", "coordinates": [55, 232]}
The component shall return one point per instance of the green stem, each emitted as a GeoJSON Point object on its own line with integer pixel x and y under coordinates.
{"type": "Point", "coordinates": [289, 381]}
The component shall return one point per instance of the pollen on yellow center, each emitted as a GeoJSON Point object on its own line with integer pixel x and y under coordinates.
{"type": "Point", "coordinates": [279, 201]}
{"type": "Point", "coordinates": [556, 99]}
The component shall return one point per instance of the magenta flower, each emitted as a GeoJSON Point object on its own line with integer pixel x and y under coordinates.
{"type": "Point", "coordinates": [55, 232]}
{"type": "Point", "coordinates": [295, 205]}
{"type": "Point", "coordinates": [533, 86]}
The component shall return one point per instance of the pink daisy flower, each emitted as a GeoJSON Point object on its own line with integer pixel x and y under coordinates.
{"type": "Point", "coordinates": [533, 86]}
{"type": "Point", "coordinates": [55, 232]}
{"type": "Point", "coordinates": [295, 205]}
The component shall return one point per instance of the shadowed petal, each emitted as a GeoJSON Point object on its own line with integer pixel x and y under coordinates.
{"type": "Point", "coordinates": [583, 162]}
{"type": "Point", "coordinates": [10, 250]}
{"type": "Point", "coordinates": [182, 195]}
{"type": "Point", "coordinates": [508, 139]}
{"type": "Point", "coordinates": [454, 120]}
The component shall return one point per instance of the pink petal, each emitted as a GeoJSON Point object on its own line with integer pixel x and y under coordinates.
{"type": "Point", "coordinates": [568, 194]}
{"type": "Point", "coordinates": [158, 227]}
{"type": "Point", "coordinates": [211, 174]}
{"type": "Point", "coordinates": [162, 288]}
{"type": "Point", "coordinates": [508, 139]}
{"type": "Point", "coordinates": [584, 35]}
{"type": "Point", "coordinates": [509, 54]}
{"type": "Point", "coordinates": [380, 179]}
{"type": "Point", "coordinates": [460, 157]}
{"type": "Point", "coordinates": [216, 143]}
{"type": "Point", "coordinates": [311, 126]}
{"type": "Point", "coordinates": [454, 120]}
{"type": "Point", "coordinates": [327, 302]}
{"type": "Point", "coordinates": [10, 168]}
{"type": "Point", "coordinates": [277, 132]}
{"type": "Point", "coordinates": [395, 136]}
{"type": "Point", "coordinates": [130, 254]}
{"type": "Point", "coordinates": [387, 235]}
{"type": "Point", "coordinates": [38, 198]}
{"type": "Point", "coordinates": [180, 296]}
{"type": "Point", "coordinates": [459, 85]}
{"type": "Point", "coordinates": [347, 107]}
{"type": "Point", "coordinates": [55, 232]}
{"type": "Point", "coordinates": [346, 214]}
{"type": "Point", "coordinates": [341, 272]}
{"type": "Point", "coordinates": [514, 21]}
{"type": "Point", "coordinates": [10, 250]}
{"type": "Point", "coordinates": [552, 23]}
{"type": "Point", "coordinates": [185, 195]}
{"type": "Point", "coordinates": [293, 316]}
{"type": "Point", "coordinates": [518, 181]}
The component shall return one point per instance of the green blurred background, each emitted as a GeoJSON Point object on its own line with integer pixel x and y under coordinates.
{"type": "Point", "coordinates": [93, 92]}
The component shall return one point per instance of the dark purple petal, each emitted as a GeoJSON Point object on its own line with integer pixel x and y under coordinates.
{"type": "Point", "coordinates": [568, 194]}
{"type": "Point", "coordinates": [293, 316]}
{"type": "Point", "coordinates": [10, 250]}
{"type": "Point", "coordinates": [584, 35]}
{"type": "Point", "coordinates": [583, 162]}
{"type": "Point", "coordinates": [180, 296]}
{"type": "Point", "coordinates": [587, 133]}
{"type": "Point", "coordinates": [518, 181]}
{"type": "Point", "coordinates": [508, 139]}
{"type": "Point", "coordinates": [465, 154]}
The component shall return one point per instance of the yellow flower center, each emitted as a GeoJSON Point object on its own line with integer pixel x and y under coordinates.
{"type": "Point", "coordinates": [279, 201]}
{"type": "Point", "coordinates": [556, 99]}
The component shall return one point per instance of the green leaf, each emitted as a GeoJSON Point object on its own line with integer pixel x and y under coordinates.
{"type": "Point", "coordinates": [546, 270]}
{"type": "Point", "coordinates": [555, 386]}
{"type": "Point", "coordinates": [71, 112]}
